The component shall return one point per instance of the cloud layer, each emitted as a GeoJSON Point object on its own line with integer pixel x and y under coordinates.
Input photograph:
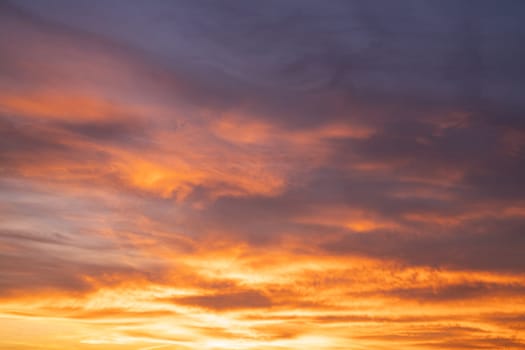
{"type": "Point", "coordinates": [282, 175]}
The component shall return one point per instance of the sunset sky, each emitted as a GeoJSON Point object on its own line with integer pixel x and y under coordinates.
{"type": "Point", "coordinates": [262, 175]}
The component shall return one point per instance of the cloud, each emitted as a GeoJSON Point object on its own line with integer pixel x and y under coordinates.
{"type": "Point", "coordinates": [457, 292]}
{"type": "Point", "coordinates": [224, 175]}
{"type": "Point", "coordinates": [457, 249]}
{"type": "Point", "coordinates": [227, 301]}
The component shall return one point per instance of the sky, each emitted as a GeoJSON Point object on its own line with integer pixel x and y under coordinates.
{"type": "Point", "coordinates": [262, 175]}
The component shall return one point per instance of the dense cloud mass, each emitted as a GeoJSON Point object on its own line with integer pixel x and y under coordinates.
{"type": "Point", "coordinates": [262, 175]}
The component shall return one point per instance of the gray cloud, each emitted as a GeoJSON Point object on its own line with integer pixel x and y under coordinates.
{"type": "Point", "coordinates": [226, 301]}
